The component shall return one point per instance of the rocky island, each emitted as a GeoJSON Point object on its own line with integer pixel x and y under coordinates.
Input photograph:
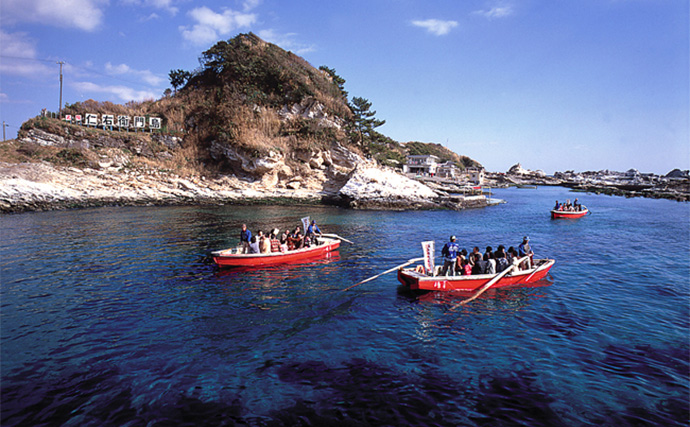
{"type": "Point", "coordinates": [255, 124]}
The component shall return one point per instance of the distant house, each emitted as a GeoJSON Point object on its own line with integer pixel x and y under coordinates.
{"type": "Point", "coordinates": [475, 175]}
{"type": "Point", "coordinates": [425, 164]}
{"type": "Point", "coordinates": [447, 170]}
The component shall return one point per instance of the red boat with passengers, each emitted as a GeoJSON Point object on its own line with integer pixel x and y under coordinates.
{"type": "Point", "coordinates": [416, 279]}
{"type": "Point", "coordinates": [557, 214]}
{"type": "Point", "coordinates": [234, 258]}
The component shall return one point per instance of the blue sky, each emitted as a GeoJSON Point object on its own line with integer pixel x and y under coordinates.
{"type": "Point", "coordinates": [554, 85]}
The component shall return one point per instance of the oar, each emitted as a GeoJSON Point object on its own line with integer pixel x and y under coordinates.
{"type": "Point", "coordinates": [337, 237]}
{"type": "Point", "coordinates": [491, 282]}
{"type": "Point", "coordinates": [385, 272]}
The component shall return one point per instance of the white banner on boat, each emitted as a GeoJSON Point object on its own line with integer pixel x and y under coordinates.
{"type": "Point", "coordinates": [428, 249]}
{"type": "Point", "coordinates": [305, 223]}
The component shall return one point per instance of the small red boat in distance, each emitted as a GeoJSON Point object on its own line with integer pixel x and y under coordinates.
{"type": "Point", "coordinates": [232, 257]}
{"type": "Point", "coordinates": [569, 214]}
{"type": "Point", "coordinates": [417, 280]}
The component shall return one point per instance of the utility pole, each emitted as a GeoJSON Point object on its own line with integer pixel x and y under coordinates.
{"type": "Point", "coordinates": [3, 131]}
{"type": "Point", "coordinates": [60, 109]}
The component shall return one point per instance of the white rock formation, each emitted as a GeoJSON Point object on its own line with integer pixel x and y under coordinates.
{"type": "Point", "coordinates": [371, 185]}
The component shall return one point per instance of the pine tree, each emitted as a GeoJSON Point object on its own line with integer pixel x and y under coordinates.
{"type": "Point", "coordinates": [363, 121]}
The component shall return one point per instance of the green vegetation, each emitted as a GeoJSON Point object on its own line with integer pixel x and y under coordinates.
{"type": "Point", "coordinates": [363, 122]}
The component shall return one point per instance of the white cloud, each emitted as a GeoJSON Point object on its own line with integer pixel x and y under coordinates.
{"type": "Point", "coordinates": [285, 41]}
{"type": "Point", "coordinates": [85, 15]}
{"type": "Point", "coordinates": [436, 26]}
{"type": "Point", "coordinates": [211, 26]}
{"type": "Point", "coordinates": [124, 70]}
{"type": "Point", "coordinates": [4, 98]}
{"type": "Point", "coordinates": [124, 93]}
{"type": "Point", "coordinates": [19, 56]}
{"type": "Point", "coordinates": [166, 5]}
{"type": "Point", "coordinates": [248, 5]}
{"type": "Point", "coordinates": [495, 12]}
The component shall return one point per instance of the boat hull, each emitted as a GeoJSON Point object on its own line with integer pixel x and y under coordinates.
{"type": "Point", "coordinates": [568, 214]}
{"type": "Point", "coordinates": [420, 281]}
{"type": "Point", "coordinates": [226, 258]}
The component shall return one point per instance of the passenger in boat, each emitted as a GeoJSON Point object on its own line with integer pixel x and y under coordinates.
{"type": "Point", "coordinates": [491, 266]}
{"type": "Point", "coordinates": [254, 246]}
{"type": "Point", "coordinates": [501, 259]}
{"type": "Point", "coordinates": [296, 238]}
{"type": "Point", "coordinates": [511, 255]}
{"type": "Point", "coordinates": [265, 242]}
{"type": "Point", "coordinates": [245, 237]}
{"type": "Point", "coordinates": [466, 268]}
{"type": "Point", "coordinates": [524, 249]}
{"type": "Point", "coordinates": [450, 254]}
{"type": "Point", "coordinates": [275, 243]}
{"type": "Point", "coordinates": [284, 237]}
{"type": "Point", "coordinates": [557, 207]}
{"type": "Point", "coordinates": [461, 261]}
{"type": "Point", "coordinates": [488, 254]}
{"type": "Point", "coordinates": [576, 205]}
{"type": "Point", "coordinates": [479, 265]}
{"type": "Point", "coordinates": [473, 255]}
{"type": "Point", "coordinates": [312, 230]}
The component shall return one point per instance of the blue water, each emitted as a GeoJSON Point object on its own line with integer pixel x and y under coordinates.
{"type": "Point", "coordinates": [116, 316]}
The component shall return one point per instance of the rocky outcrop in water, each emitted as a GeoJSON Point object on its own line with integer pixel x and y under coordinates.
{"type": "Point", "coordinates": [110, 176]}
{"type": "Point", "coordinates": [675, 185]}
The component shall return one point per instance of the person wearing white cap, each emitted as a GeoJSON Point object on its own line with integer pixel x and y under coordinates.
{"type": "Point", "coordinates": [450, 254]}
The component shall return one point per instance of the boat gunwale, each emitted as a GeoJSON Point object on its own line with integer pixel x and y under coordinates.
{"type": "Point", "coordinates": [472, 277]}
{"type": "Point", "coordinates": [568, 213]}
{"type": "Point", "coordinates": [327, 242]}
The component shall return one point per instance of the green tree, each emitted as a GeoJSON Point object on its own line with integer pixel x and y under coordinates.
{"type": "Point", "coordinates": [178, 78]}
{"type": "Point", "coordinates": [363, 121]}
{"type": "Point", "coordinates": [339, 81]}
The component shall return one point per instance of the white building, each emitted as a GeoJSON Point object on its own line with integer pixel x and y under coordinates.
{"type": "Point", "coordinates": [447, 170]}
{"type": "Point", "coordinates": [425, 164]}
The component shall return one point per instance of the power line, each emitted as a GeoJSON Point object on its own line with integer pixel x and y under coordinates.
{"type": "Point", "coordinates": [25, 59]}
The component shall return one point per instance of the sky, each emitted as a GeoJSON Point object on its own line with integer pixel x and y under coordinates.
{"type": "Point", "coordinates": [579, 85]}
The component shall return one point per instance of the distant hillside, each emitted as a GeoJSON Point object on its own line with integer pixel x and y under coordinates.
{"type": "Point", "coordinates": [248, 100]}
{"type": "Point", "coordinates": [446, 155]}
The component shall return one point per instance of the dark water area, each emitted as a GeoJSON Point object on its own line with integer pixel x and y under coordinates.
{"type": "Point", "coordinates": [117, 316]}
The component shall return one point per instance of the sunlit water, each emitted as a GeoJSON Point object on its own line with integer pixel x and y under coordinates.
{"type": "Point", "coordinates": [116, 316]}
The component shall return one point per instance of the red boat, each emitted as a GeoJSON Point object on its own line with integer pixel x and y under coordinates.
{"type": "Point", "coordinates": [231, 257]}
{"type": "Point", "coordinates": [569, 214]}
{"type": "Point", "coordinates": [415, 280]}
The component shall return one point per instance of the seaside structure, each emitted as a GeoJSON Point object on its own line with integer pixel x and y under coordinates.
{"type": "Point", "coordinates": [448, 170]}
{"type": "Point", "coordinates": [421, 164]}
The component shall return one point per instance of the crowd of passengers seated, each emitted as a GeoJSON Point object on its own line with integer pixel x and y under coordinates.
{"type": "Point", "coordinates": [269, 242]}
{"type": "Point", "coordinates": [569, 207]}
{"type": "Point", "coordinates": [490, 262]}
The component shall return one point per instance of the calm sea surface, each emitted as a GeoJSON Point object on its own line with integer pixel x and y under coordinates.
{"type": "Point", "coordinates": [116, 316]}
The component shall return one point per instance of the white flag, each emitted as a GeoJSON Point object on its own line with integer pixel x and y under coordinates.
{"type": "Point", "coordinates": [428, 249]}
{"type": "Point", "coordinates": [305, 223]}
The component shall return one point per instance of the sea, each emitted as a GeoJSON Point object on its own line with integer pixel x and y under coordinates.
{"type": "Point", "coordinates": [118, 316]}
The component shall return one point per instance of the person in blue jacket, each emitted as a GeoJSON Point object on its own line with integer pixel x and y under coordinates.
{"type": "Point", "coordinates": [524, 249]}
{"type": "Point", "coordinates": [245, 237]}
{"type": "Point", "coordinates": [450, 255]}
{"type": "Point", "coordinates": [312, 230]}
